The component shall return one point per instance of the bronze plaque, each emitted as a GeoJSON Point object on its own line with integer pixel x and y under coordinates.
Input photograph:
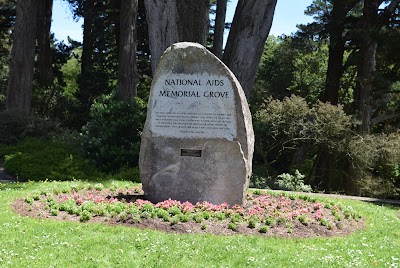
{"type": "Point", "coordinates": [191, 153]}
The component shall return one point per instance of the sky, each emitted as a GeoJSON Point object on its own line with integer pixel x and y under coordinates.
{"type": "Point", "coordinates": [288, 14]}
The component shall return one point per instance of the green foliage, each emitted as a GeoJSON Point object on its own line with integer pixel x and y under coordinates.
{"type": "Point", "coordinates": [16, 126]}
{"type": "Point", "coordinates": [264, 229]}
{"type": "Point", "coordinates": [13, 127]}
{"type": "Point", "coordinates": [38, 159]}
{"type": "Point", "coordinates": [232, 226]}
{"type": "Point", "coordinates": [297, 64]}
{"type": "Point", "coordinates": [252, 223]}
{"type": "Point", "coordinates": [292, 182]}
{"type": "Point", "coordinates": [126, 174]}
{"type": "Point", "coordinates": [269, 221]}
{"type": "Point", "coordinates": [7, 20]}
{"type": "Point", "coordinates": [375, 161]}
{"type": "Point", "coordinates": [283, 128]}
{"type": "Point", "coordinates": [304, 220]}
{"type": "Point", "coordinates": [291, 131]}
{"type": "Point", "coordinates": [111, 138]}
{"type": "Point", "coordinates": [290, 65]}
{"type": "Point", "coordinates": [55, 101]}
{"type": "Point", "coordinates": [198, 218]}
{"type": "Point", "coordinates": [71, 71]}
{"type": "Point", "coordinates": [85, 216]}
{"type": "Point", "coordinates": [101, 245]}
{"type": "Point", "coordinates": [275, 71]}
{"type": "Point", "coordinates": [309, 73]}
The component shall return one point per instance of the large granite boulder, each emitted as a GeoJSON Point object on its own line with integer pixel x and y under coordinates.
{"type": "Point", "coordinates": [198, 140]}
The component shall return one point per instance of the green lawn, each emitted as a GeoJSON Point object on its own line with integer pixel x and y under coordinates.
{"type": "Point", "coordinates": [28, 242]}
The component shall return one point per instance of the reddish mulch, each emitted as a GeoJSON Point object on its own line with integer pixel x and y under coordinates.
{"type": "Point", "coordinates": [297, 229]}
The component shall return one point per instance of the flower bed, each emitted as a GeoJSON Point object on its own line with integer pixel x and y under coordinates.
{"type": "Point", "coordinates": [263, 213]}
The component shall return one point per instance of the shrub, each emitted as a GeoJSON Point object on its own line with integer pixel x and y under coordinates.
{"type": "Point", "coordinates": [232, 226]}
{"type": "Point", "coordinates": [264, 229]}
{"type": "Point", "coordinates": [111, 138]}
{"type": "Point", "coordinates": [126, 174]}
{"type": "Point", "coordinates": [17, 126]}
{"type": "Point", "coordinates": [282, 127]}
{"type": "Point", "coordinates": [38, 159]}
{"type": "Point", "coordinates": [13, 127]}
{"type": "Point", "coordinates": [85, 216]}
{"type": "Point", "coordinates": [292, 182]}
{"type": "Point", "coordinates": [290, 134]}
{"type": "Point", "coordinates": [259, 182]}
{"type": "Point", "coordinates": [375, 160]}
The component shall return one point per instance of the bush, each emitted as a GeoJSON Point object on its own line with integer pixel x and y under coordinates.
{"type": "Point", "coordinates": [111, 138]}
{"type": "Point", "coordinates": [259, 182]}
{"type": "Point", "coordinates": [294, 182]}
{"type": "Point", "coordinates": [13, 127]}
{"type": "Point", "coordinates": [289, 130]}
{"type": "Point", "coordinates": [126, 174]}
{"type": "Point", "coordinates": [292, 134]}
{"type": "Point", "coordinates": [16, 126]}
{"type": "Point", "coordinates": [38, 159]}
{"type": "Point", "coordinates": [375, 162]}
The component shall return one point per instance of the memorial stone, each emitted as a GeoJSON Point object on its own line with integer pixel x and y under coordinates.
{"type": "Point", "coordinates": [197, 143]}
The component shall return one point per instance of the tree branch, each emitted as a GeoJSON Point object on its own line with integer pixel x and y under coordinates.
{"type": "Point", "coordinates": [388, 11]}
{"type": "Point", "coordinates": [385, 117]}
{"type": "Point", "coordinates": [350, 5]}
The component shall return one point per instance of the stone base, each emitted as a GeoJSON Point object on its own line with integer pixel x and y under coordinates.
{"type": "Point", "coordinates": [219, 175]}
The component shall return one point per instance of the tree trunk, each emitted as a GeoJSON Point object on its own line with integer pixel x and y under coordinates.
{"type": "Point", "coordinates": [19, 91]}
{"type": "Point", "coordinates": [364, 80]}
{"type": "Point", "coordinates": [193, 19]}
{"type": "Point", "coordinates": [326, 160]}
{"type": "Point", "coordinates": [175, 21]}
{"type": "Point", "coordinates": [336, 52]}
{"type": "Point", "coordinates": [86, 76]}
{"type": "Point", "coordinates": [367, 65]}
{"type": "Point", "coordinates": [162, 23]}
{"type": "Point", "coordinates": [250, 28]}
{"type": "Point", "coordinates": [219, 28]}
{"type": "Point", "coordinates": [324, 168]}
{"type": "Point", "coordinates": [336, 29]}
{"type": "Point", "coordinates": [44, 57]}
{"type": "Point", "coordinates": [127, 69]}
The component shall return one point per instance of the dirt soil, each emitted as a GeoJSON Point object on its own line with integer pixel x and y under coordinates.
{"type": "Point", "coordinates": [296, 229]}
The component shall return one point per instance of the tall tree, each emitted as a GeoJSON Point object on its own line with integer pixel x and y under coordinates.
{"type": "Point", "coordinates": [162, 20]}
{"type": "Point", "coordinates": [87, 54]}
{"type": "Point", "coordinates": [44, 57]}
{"type": "Point", "coordinates": [334, 22]}
{"type": "Point", "coordinates": [250, 28]}
{"type": "Point", "coordinates": [336, 28]}
{"type": "Point", "coordinates": [193, 18]}
{"type": "Point", "coordinates": [175, 21]}
{"type": "Point", "coordinates": [19, 91]}
{"type": "Point", "coordinates": [7, 19]}
{"type": "Point", "coordinates": [372, 22]}
{"type": "Point", "coordinates": [219, 28]}
{"type": "Point", "coordinates": [127, 64]}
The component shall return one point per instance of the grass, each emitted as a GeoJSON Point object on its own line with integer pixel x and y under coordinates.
{"type": "Point", "coordinates": [28, 242]}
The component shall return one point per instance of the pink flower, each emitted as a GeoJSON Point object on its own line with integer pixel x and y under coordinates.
{"type": "Point", "coordinates": [141, 202]}
{"type": "Point", "coordinates": [79, 200]}
{"type": "Point", "coordinates": [318, 214]}
{"type": "Point", "coordinates": [318, 206]}
{"type": "Point", "coordinates": [294, 214]}
{"type": "Point", "coordinates": [64, 197]}
{"type": "Point", "coordinates": [113, 200]}
{"type": "Point", "coordinates": [168, 204]}
{"type": "Point", "coordinates": [187, 207]}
